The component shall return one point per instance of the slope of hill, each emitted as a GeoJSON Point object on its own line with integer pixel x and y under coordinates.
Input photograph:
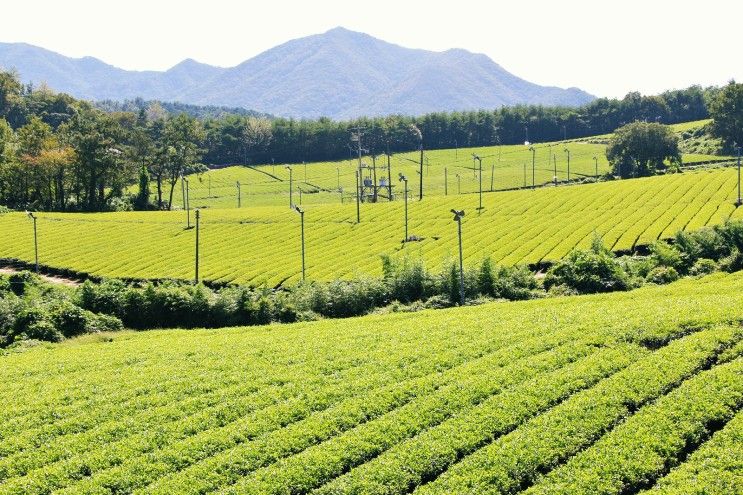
{"type": "Point", "coordinates": [602, 394]}
{"type": "Point", "coordinates": [338, 74]}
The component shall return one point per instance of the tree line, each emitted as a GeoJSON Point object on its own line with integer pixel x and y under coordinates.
{"type": "Point", "coordinates": [59, 153]}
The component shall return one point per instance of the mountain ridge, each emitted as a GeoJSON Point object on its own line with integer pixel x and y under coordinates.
{"type": "Point", "coordinates": [339, 74]}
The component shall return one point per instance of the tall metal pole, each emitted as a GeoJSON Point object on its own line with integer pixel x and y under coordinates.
{"type": "Point", "coordinates": [239, 195]}
{"type": "Point", "coordinates": [568, 152]}
{"type": "Point", "coordinates": [492, 177]}
{"type": "Point", "coordinates": [405, 182]}
{"type": "Point", "coordinates": [420, 193]}
{"type": "Point", "coordinates": [303, 265]}
{"type": "Point", "coordinates": [554, 160]}
{"type": "Point", "coordinates": [480, 162]}
{"type": "Point", "coordinates": [301, 215]}
{"type": "Point", "coordinates": [533, 166]}
{"type": "Point", "coordinates": [459, 184]}
{"type": "Point", "coordinates": [185, 204]}
{"type": "Point", "coordinates": [358, 199]}
{"type": "Point", "coordinates": [389, 177]}
{"type": "Point", "coordinates": [596, 164]}
{"type": "Point", "coordinates": [740, 200]}
{"type": "Point", "coordinates": [458, 214]}
{"type": "Point", "coordinates": [198, 216]}
{"type": "Point", "coordinates": [36, 240]}
{"type": "Point", "coordinates": [291, 188]}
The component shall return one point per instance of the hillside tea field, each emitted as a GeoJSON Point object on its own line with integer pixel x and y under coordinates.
{"type": "Point", "coordinates": [444, 172]}
{"type": "Point", "coordinates": [261, 245]}
{"type": "Point", "coordinates": [609, 394]}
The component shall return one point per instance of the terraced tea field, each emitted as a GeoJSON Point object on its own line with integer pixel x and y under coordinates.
{"type": "Point", "coordinates": [260, 245]}
{"type": "Point", "coordinates": [542, 396]}
{"type": "Point", "coordinates": [444, 172]}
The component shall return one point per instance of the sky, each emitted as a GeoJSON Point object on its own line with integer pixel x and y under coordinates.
{"type": "Point", "coordinates": [606, 48]}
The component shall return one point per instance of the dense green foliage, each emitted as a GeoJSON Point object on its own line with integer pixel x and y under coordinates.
{"type": "Point", "coordinates": [31, 310]}
{"type": "Point", "coordinates": [726, 108]}
{"type": "Point", "coordinates": [65, 154]}
{"type": "Point", "coordinates": [499, 397]}
{"type": "Point", "coordinates": [641, 148]}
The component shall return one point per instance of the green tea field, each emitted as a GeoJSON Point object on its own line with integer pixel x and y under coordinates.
{"type": "Point", "coordinates": [542, 396]}
{"type": "Point", "coordinates": [261, 245]}
{"type": "Point", "coordinates": [444, 172]}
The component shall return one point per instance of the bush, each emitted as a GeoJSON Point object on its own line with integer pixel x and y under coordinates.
{"type": "Point", "coordinates": [663, 254]}
{"type": "Point", "coordinates": [703, 266]}
{"type": "Point", "coordinates": [662, 275]}
{"type": "Point", "coordinates": [732, 262]}
{"type": "Point", "coordinates": [406, 279]}
{"type": "Point", "coordinates": [590, 271]}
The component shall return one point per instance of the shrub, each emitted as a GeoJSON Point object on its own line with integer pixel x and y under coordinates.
{"type": "Point", "coordinates": [594, 270]}
{"type": "Point", "coordinates": [703, 266]}
{"type": "Point", "coordinates": [663, 254]}
{"type": "Point", "coordinates": [662, 275]}
{"type": "Point", "coordinates": [732, 262]}
{"type": "Point", "coordinates": [406, 278]}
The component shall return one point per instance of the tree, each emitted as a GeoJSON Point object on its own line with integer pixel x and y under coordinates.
{"type": "Point", "coordinates": [143, 195]}
{"type": "Point", "coordinates": [100, 172]}
{"type": "Point", "coordinates": [726, 110]}
{"type": "Point", "coordinates": [180, 149]}
{"type": "Point", "coordinates": [643, 148]}
{"type": "Point", "coordinates": [256, 135]}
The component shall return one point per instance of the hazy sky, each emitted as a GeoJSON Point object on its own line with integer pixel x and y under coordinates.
{"type": "Point", "coordinates": [605, 48]}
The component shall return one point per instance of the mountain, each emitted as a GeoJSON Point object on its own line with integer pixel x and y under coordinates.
{"type": "Point", "coordinates": [339, 74]}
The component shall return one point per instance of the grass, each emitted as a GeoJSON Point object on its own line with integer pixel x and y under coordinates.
{"type": "Point", "coordinates": [260, 245]}
{"type": "Point", "coordinates": [504, 396]}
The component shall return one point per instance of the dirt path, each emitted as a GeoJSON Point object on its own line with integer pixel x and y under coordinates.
{"type": "Point", "coordinates": [5, 270]}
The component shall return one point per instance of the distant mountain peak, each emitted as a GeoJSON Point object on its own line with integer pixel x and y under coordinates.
{"type": "Point", "coordinates": [340, 74]}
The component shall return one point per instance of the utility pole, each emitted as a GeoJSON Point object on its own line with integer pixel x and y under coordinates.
{"type": "Point", "coordinates": [554, 161]}
{"type": "Point", "coordinates": [185, 204]}
{"type": "Point", "coordinates": [480, 161]}
{"type": "Point", "coordinates": [188, 202]}
{"type": "Point", "coordinates": [533, 166]}
{"type": "Point", "coordinates": [356, 134]}
{"type": "Point", "coordinates": [492, 177]}
{"type": "Point", "coordinates": [358, 199]}
{"type": "Point", "coordinates": [459, 184]}
{"type": "Point", "coordinates": [420, 193]}
{"type": "Point", "coordinates": [405, 181]}
{"type": "Point", "coordinates": [36, 241]}
{"type": "Point", "coordinates": [389, 176]}
{"type": "Point", "coordinates": [196, 275]}
{"type": "Point", "coordinates": [458, 214]}
{"type": "Point", "coordinates": [291, 190]}
{"type": "Point", "coordinates": [596, 164]}
{"type": "Point", "coordinates": [374, 172]}
{"type": "Point", "coordinates": [239, 195]}
{"type": "Point", "coordinates": [301, 215]}
{"type": "Point", "coordinates": [740, 200]}
{"type": "Point", "coordinates": [568, 152]}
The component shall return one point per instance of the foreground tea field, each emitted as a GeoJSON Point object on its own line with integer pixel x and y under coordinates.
{"type": "Point", "coordinates": [546, 395]}
{"type": "Point", "coordinates": [261, 245]}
